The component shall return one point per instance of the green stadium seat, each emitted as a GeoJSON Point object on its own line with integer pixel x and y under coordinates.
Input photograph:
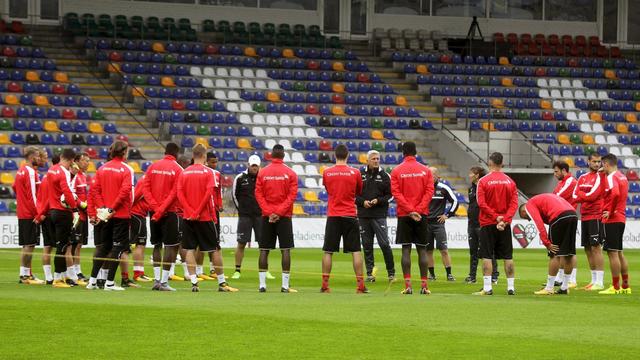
{"type": "Point", "coordinates": [104, 20]}
{"type": "Point", "coordinates": [120, 20]}
{"type": "Point", "coordinates": [269, 28]}
{"type": "Point", "coordinates": [153, 22]}
{"type": "Point", "coordinates": [284, 29]}
{"type": "Point", "coordinates": [224, 26]}
{"type": "Point", "coordinates": [184, 24]}
{"type": "Point", "coordinates": [208, 26]}
{"type": "Point", "coordinates": [334, 42]}
{"type": "Point", "coordinates": [238, 27]}
{"type": "Point", "coordinates": [254, 28]}
{"type": "Point", "coordinates": [299, 29]}
{"type": "Point", "coordinates": [314, 30]}
{"type": "Point", "coordinates": [87, 18]}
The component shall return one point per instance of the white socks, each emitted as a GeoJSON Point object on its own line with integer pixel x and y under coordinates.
{"type": "Point", "coordinates": [57, 276]}
{"type": "Point", "coordinates": [511, 283]}
{"type": "Point", "coordinates": [92, 281]}
{"type": "Point", "coordinates": [25, 271]}
{"type": "Point", "coordinates": [262, 275]}
{"type": "Point", "coordinates": [71, 273]}
{"type": "Point", "coordinates": [550, 282]}
{"type": "Point", "coordinates": [138, 268]}
{"type": "Point", "coordinates": [199, 269]}
{"type": "Point", "coordinates": [47, 272]}
{"type": "Point", "coordinates": [165, 276]}
{"type": "Point", "coordinates": [211, 267]}
{"type": "Point", "coordinates": [574, 275]}
{"type": "Point", "coordinates": [565, 282]}
{"type": "Point", "coordinates": [559, 275]}
{"type": "Point", "coordinates": [594, 278]}
{"type": "Point", "coordinates": [285, 280]}
{"type": "Point", "coordinates": [194, 279]}
{"type": "Point", "coordinates": [110, 283]}
{"type": "Point", "coordinates": [156, 272]}
{"type": "Point", "coordinates": [185, 268]}
{"type": "Point", "coordinates": [78, 269]}
{"type": "Point", "coordinates": [221, 279]}
{"type": "Point", "coordinates": [172, 271]}
{"type": "Point", "coordinates": [600, 277]}
{"type": "Point", "coordinates": [486, 283]}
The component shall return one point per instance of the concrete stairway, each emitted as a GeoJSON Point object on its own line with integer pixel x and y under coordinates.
{"type": "Point", "coordinates": [95, 84]}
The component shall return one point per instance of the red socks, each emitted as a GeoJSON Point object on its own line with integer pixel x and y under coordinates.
{"type": "Point", "coordinates": [137, 274]}
{"type": "Point", "coordinates": [360, 281]}
{"type": "Point", "coordinates": [423, 280]}
{"type": "Point", "coordinates": [407, 281]}
{"type": "Point", "coordinates": [125, 275]}
{"type": "Point", "coordinates": [325, 281]}
{"type": "Point", "coordinates": [616, 282]}
{"type": "Point", "coordinates": [625, 281]}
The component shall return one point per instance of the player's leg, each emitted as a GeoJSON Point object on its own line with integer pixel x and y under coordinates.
{"type": "Point", "coordinates": [200, 264]}
{"type": "Point", "coordinates": [441, 244]}
{"type": "Point", "coordinates": [326, 270]}
{"type": "Point", "coordinates": [504, 250]}
{"type": "Point", "coordinates": [554, 265]}
{"type": "Point", "coordinates": [382, 235]}
{"type": "Point", "coordinates": [564, 236]}
{"type": "Point", "coordinates": [267, 243]}
{"type": "Point", "coordinates": [284, 232]}
{"type": "Point", "coordinates": [405, 262]}
{"type": "Point", "coordinates": [71, 276]}
{"type": "Point", "coordinates": [624, 272]}
{"type": "Point", "coordinates": [212, 265]}
{"type": "Point", "coordinates": [171, 228]}
{"type": "Point", "coordinates": [474, 244]}
{"type": "Point", "coordinates": [487, 254]}
{"type": "Point", "coordinates": [188, 245]}
{"type": "Point", "coordinates": [28, 237]}
{"type": "Point", "coordinates": [239, 257]}
{"type": "Point", "coordinates": [120, 235]}
{"type": "Point", "coordinates": [351, 244]}
{"type": "Point", "coordinates": [62, 222]}
{"type": "Point", "coordinates": [366, 234]}
{"type": "Point", "coordinates": [48, 244]}
{"type": "Point", "coordinates": [431, 242]}
{"type": "Point", "coordinates": [245, 225]}
{"type": "Point", "coordinates": [613, 245]}
{"type": "Point", "coordinates": [424, 266]}
{"type": "Point", "coordinates": [190, 260]}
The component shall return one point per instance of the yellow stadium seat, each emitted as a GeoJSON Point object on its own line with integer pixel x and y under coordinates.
{"type": "Point", "coordinates": [249, 51]}
{"type": "Point", "coordinates": [507, 81]}
{"type": "Point", "coordinates": [11, 100]}
{"type": "Point", "coordinates": [401, 100]}
{"type": "Point", "coordinates": [273, 96]}
{"type": "Point", "coordinates": [337, 110]}
{"type": "Point", "coordinates": [135, 166]}
{"type": "Point", "coordinates": [638, 106]}
{"type": "Point", "coordinates": [92, 167]}
{"type": "Point", "coordinates": [244, 144]}
{"type": "Point", "coordinates": [622, 129]}
{"type": "Point", "coordinates": [298, 210]}
{"type": "Point", "coordinates": [32, 76]}
{"type": "Point", "coordinates": [7, 178]}
{"type": "Point", "coordinates": [503, 60]}
{"type": "Point", "coordinates": [311, 196]}
{"type": "Point", "coordinates": [41, 100]}
{"type": "Point", "coordinates": [337, 88]}
{"type": "Point", "coordinates": [488, 126]}
{"type": "Point", "coordinates": [157, 47]}
{"type": "Point", "coordinates": [322, 169]}
{"type": "Point", "coordinates": [564, 139]}
{"type": "Point", "coordinates": [96, 128]}
{"type": "Point", "coordinates": [113, 68]}
{"type": "Point", "coordinates": [497, 103]}
{"type": "Point", "coordinates": [51, 126]}
{"type": "Point", "coordinates": [338, 66]}
{"type": "Point", "coordinates": [137, 91]}
{"type": "Point", "coordinates": [631, 117]}
{"type": "Point", "coordinates": [462, 211]}
{"type": "Point", "coordinates": [610, 74]}
{"type": "Point", "coordinates": [545, 104]}
{"type": "Point", "coordinates": [288, 53]}
{"type": "Point", "coordinates": [569, 161]}
{"type": "Point", "coordinates": [587, 140]}
{"type": "Point", "coordinates": [594, 116]}
{"type": "Point", "coordinates": [202, 141]}
{"type": "Point", "coordinates": [167, 81]}
{"type": "Point", "coordinates": [422, 69]}
{"type": "Point", "coordinates": [61, 77]}
{"type": "Point", "coordinates": [363, 159]}
{"type": "Point", "coordinates": [4, 139]}
{"type": "Point", "coordinates": [377, 135]}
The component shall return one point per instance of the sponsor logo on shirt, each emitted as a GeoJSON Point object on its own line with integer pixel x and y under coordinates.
{"type": "Point", "coordinates": [350, 173]}
{"type": "Point", "coordinates": [498, 182]}
{"type": "Point", "coordinates": [420, 174]}
{"type": "Point", "coordinates": [278, 178]}
{"type": "Point", "coordinates": [163, 172]}
{"type": "Point", "coordinates": [104, 168]}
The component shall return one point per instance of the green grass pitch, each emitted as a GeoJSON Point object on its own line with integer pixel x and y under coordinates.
{"type": "Point", "coordinates": [38, 322]}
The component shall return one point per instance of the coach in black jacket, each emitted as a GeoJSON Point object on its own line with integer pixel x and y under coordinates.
{"type": "Point", "coordinates": [249, 213]}
{"type": "Point", "coordinates": [373, 207]}
{"type": "Point", "coordinates": [438, 214]}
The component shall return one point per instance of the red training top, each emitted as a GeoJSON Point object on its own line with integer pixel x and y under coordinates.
{"type": "Point", "coordinates": [588, 192]}
{"type": "Point", "coordinates": [217, 192]}
{"type": "Point", "coordinates": [80, 188]}
{"type": "Point", "coordinates": [565, 188]}
{"type": "Point", "coordinates": [160, 188]}
{"type": "Point", "coordinates": [24, 186]}
{"type": "Point", "coordinates": [195, 204]}
{"type": "Point", "coordinates": [276, 189]}
{"type": "Point", "coordinates": [140, 206]}
{"type": "Point", "coordinates": [545, 209]}
{"type": "Point", "coordinates": [91, 199]}
{"type": "Point", "coordinates": [58, 184]}
{"type": "Point", "coordinates": [412, 187]}
{"type": "Point", "coordinates": [43, 196]}
{"type": "Point", "coordinates": [497, 195]}
{"type": "Point", "coordinates": [615, 198]}
{"type": "Point", "coordinates": [114, 188]}
{"type": "Point", "coordinates": [343, 183]}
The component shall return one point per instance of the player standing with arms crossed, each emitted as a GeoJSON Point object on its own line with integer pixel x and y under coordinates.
{"type": "Point", "coordinates": [412, 188]}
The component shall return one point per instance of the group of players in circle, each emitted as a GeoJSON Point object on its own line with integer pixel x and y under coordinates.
{"type": "Point", "coordinates": [182, 197]}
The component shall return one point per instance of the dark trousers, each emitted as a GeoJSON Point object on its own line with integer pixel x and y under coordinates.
{"type": "Point", "coordinates": [474, 247]}
{"type": "Point", "coordinates": [370, 227]}
{"type": "Point", "coordinates": [62, 222]}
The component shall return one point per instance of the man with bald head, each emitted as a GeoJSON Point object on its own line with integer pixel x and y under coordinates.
{"type": "Point", "coordinates": [438, 214]}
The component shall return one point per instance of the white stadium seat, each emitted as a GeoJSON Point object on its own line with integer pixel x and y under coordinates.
{"type": "Point", "coordinates": [585, 128]}
{"type": "Point", "coordinates": [565, 83]}
{"type": "Point", "coordinates": [233, 95]}
{"type": "Point", "coordinates": [600, 139]}
{"type": "Point", "coordinates": [247, 84]}
{"type": "Point", "coordinates": [222, 72]}
{"type": "Point", "coordinates": [542, 83]}
{"type": "Point", "coordinates": [614, 150]}
{"type": "Point", "coordinates": [273, 85]}
{"type": "Point", "coordinates": [630, 163]}
{"type": "Point", "coordinates": [298, 169]}
{"type": "Point", "coordinates": [555, 94]}
{"type": "Point", "coordinates": [235, 73]}
{"type": "Point", "coordinates": [270, 143]}
{"type": "Point", "coordinates": [612, 140]}
{"type": "Point", "coordinates": [602, 95]}
{"type": "Point", "coordinates": [195, 71]}
{"type": "Point", "coordinates": [286, 144]}
{"type": "Point", "coordinates": [577, 84]}
{"type": "Point", "coordinates": [626, 151]}
{"type": "Point", "coordinates": [571, 116]}
{"type": "Point", "coordinates": [248, 73]}
{"type": "Point", "coordinates": [271, 132]}
{"type": "Point", "coordinates": [583, 116]}
{"type": "Point", "coordinates": [207, 83]}
{"type": "Point", "coordinates": [221, 83]}
{"type": "Point", "coordinates": [579, 95]}
{"type": "Point", "coordinates": [261, 74]}
{"type": "Point", "coordinates": [285, 132]}
{"type": "Point", "coordinates": [245, 119]}
{"type": "Point", "coordinates": [554, 83]}
{"type": "Point", "coordinates": [260, 84]}
{"type": "Point", "coordinates": [209, 71]}
{"type": "Point", "coordinates": [312, 133]}
{"type": "Point", "coordinates": [272, 120]}
{"type": "Point", "coordinates": [311, 170]}
{"type": "Point", "coordinates": [311, 183]}
{"type": "Point", "coordinates": [299, 121]}
{"type": "Point", "coordinates": [246, 107]}
{"type": "Point", "coordinates": [257, 131]}
{"type": "Point", "coordinates": [569, 105]}
{"type": "Point", "coordinates": [232, 107]}
{"type": "Point", "coordinates": [591, 95]}
{"type": "Point", "coordinates": [234, 84]}
{"type": "Point", "coordinates": [285, 120]}
{"type": "Point", "coordinates": [597, 128]}
{"type": "Point", "coordinates": [298, 133]}
{"type": "Point", "coordinates": [220, 95]}
{"type": "Point", "coordinates": [297, 157]}
{"type": "Point", "coordinates": [544, 93]}
{"type": "Point", "coordinates": [557, 105]}
{"type": "Point", "coordinates": [259, 119]}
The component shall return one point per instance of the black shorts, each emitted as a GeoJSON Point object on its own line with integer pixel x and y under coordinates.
{"type": "Point", "coordinates": [97, 233]}
{"type": "Point", "coordinates": [167, 231]}
{"type": "Point", "coordinates": [613, 235]}
{"type": "Point", "coordinates": [217, 225]}
{"type": "Point", "coordinates": [495, 242]}
{"type": "Point", "coordinates": [199, 235]}
{"type": "Point", "coordinates": [436, 234]}
{"type": "Point", "coordinates": [245, 225]}
{"type": "Point", "coordinates": [282, 230]}
{"type": "Point", "coordinates": [338, 227]}
{"type": "Point", "coordinates": [28, 232]}
{"type": "Point", "coordinates": [62, 222]}
{"type": "Point", "coordinates": [116, 232]}
{"type": "Point", "coordinates": [138, 230]}
{"type": "Point", "coordinates": [48, 235]}
{"type": "Point", "coordinates": [591, 233]}
{"type": "Point", "coordinates": [562, 232]}
{"type": "Point", "coordinates": [412, 232]}
{"type": "Point", "coordinates": [80, 234]}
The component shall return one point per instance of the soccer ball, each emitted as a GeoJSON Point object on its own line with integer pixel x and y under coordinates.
{"type": "Point", "coordinates": [64, 203]}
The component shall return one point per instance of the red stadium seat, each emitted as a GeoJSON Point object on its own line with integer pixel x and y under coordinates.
{"type": "Point", "coordinates": [16, 27]}
{"type": "Point", "coordinates": [58, 89]}
{"type": "Point", "coordinates": [325, 145]}
{"type": "Point", "coordinates": [553, 39]}
{"type": "Point", "coordinates": [632, 175]}
{"type": "Point", "coordinates": [602, 51]}
{"type": "Point", "coordinates": [573, 62]}
{"type": "Point", "coordinates": [547, 50]}
{"type": "Point", "coordinates": [177, 105]}
{"type": "Point", "coordinates": [14, 87]}
{"type": "Point", "coordinates": [560, 50]}
{"type": "Point", "coordinates": [115, 56]}
{"type": "Point", "coordinates": [445, 59]}
{"type": "Point", "coordinates": [567, 40]}
{"type": "Point", "coordinates": [93, 154]}
{"type": "Point", "coordinates": [388, 111]}
{"type": "Point", "coordinates": [526, 38]}
{"type": "Point", "coordinates": [362, 77]}
{"type": "Point", "coordinates": [541, 71]}
{"type": "Point", "coordinates": [311, 109]}
{"type": "Point", "coordinates": [615, 52]}
{"type": "Point", "coordinates": [313, 65]}
{"type": "Point", "coordinates": [448, 102]}
{"type": "Point", "coordinates": [498, 37]}
{"type": "Point", "coordinates": [594, 41]}
{"type": "Point", "coordinates": [211, 49]}
{"type": "Point", "coordinates": [68, 114]}
{"type": "Point", "coordinates": [540, 39]}
{"type": "Point", "coordinates": [337, 99]}
{"type": "Point", "coordinates": [8, 52]}
{"type": "Point", "coordinates": [581, 40]}
{"type": "Point", "coordinates": [8, 112]}
{"type": "Point", "coordinates": [512, 38]}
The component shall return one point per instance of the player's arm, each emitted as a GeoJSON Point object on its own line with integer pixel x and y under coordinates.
{"type": "Point", "coordinates": [386, 190]}
{"type": "Point", "coordinates": [211, 185]}
{"type": "Point", "coordinates": [235, 190]}
{"type": "Point", "coordinates": [260, 198]}
{"type": "Point", "coordinates": [397, 193]}
{"type": "Point", "coordinates": [97, 195]}
{"type": "Point", "coordinates": [567, 189]}
{"type": "Point", "coordinates": [595, 193]}
{"type": "Point", "coordinates": [148, 195]}
{"type": "Point", "coordinates": [181, 193]}
{"type": "Point", "coordinates": [124, 194]}
{"type": "Point", "coordinates": [534, 214]}
{"type": "Point", "coordinates": [359, 198]}
{"type": "Point", "coordinates": [482, 202]}
{"type": "Point", "coordinates": [513, 203]}
{"type": "Point", "coordinates": [68, 194]}
{"type": "Point", "coordinates": [137, 193]}
{"type": "Point", "coordinates": [614, 194]}
{"type": "Point", "coordinates": [452, 199]}
{"type": "Point", "coordinates": [43, 199]}
{"type": "Point", "coordinates": [171, 197]}
{"type": "Point", "coordinates": [358, 184]}
{"type": "Point", "coordinates": [428, 193]}
{"type": "Point", "coordinates": [291, 197]}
